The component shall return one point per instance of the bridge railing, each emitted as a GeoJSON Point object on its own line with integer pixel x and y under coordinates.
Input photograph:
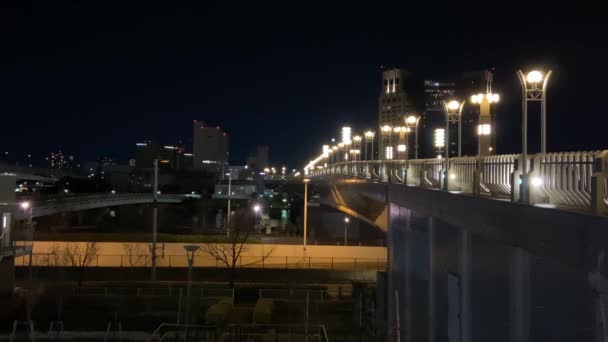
{"type": "Point", "coordinates": [575, 180]}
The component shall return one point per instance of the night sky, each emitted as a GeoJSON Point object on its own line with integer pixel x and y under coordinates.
{"type": "Point", "coordinates": [92, 78]}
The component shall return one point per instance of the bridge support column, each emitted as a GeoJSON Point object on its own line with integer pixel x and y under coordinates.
{"type": "Point", "coordinates": [408, 276]}
{"type": "Point", "coordinates": [431, 283]}
{"type": "Point", "coordinates": [465, 274]}
{"type": "Point", "coordinates": [520, 295]}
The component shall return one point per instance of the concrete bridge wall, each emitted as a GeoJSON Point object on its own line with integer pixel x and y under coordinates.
{"type": "Point", "coordinates": [476, 269]}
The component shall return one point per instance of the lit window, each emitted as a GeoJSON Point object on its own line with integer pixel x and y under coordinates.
{"type": "Point", "coordinates": [484, 129]}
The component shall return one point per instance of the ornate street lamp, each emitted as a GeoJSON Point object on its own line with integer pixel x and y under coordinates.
{"type": "Point", "coordinates": [534, 89]}
{"type": "Point", "coordinates": [411, 122]}
{"type": "Point", "coordinates": [453, 114]}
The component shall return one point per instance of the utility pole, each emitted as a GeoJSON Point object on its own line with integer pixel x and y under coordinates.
{"type": "Point", "coordinates": [229, 195]}
{"type": "Point", "coordinates": [154, 220]}
{"type": "Point", "coordinates": [306, 180]}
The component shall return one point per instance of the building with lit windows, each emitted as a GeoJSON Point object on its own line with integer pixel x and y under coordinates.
{"type": "Point", "coordinates": [394, 101]}
{"type": "Point", "coordinates": [210, 147]}
{"type": "Point", "coordinates": [172, 156]}
{"type": "Point", "coordinates": [62, 162]}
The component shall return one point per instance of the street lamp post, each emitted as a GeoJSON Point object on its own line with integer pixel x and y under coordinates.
{"type": "Point", "coordinates": [229, 174]}
{"type": "Point", "coordinates": [386, 140]}
{"type": "Point", "coordinates": [27, 208]}
{"type": "Point", "coordinates": [369, 138]}
{"type": "Point", "coordinates": [412, 122]}
{"type": "Point", "coordinates": [534, 89]}
{"type": "Point", "coordinates": [305, 228]}
{"type": "Point", "coordinates": [154, 222]}
{"type": "Point", "coordinates": [357, 147]}
{"type": "Point", "coordinates": [256, 209]}
{"type": "Point", "coordinates": [190, 250]}
{"type": "Point", "coordinates": [346, 221]}
{"type": "Point", "coordinates": [453, 111]}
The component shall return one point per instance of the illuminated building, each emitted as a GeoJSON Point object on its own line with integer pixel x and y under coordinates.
{"type": "Point", "coordinates": [394, 102]}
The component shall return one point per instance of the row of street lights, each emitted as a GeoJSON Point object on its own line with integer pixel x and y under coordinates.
{"type": "Point", "coordinates": [534, 85]}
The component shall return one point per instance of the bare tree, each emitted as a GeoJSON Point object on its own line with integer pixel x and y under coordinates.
{"type": "Point", "coordinates": [55, 256]}
{"type": "Point", "coordinates": [136, 254]}
{"type": "Point", "coordinates": [229, 253]}
{"type": "Point", "coordinates": [81, 256]}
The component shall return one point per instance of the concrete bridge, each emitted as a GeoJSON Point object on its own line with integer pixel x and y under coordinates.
{"type": "Point", "coordinates": [58, 204]}
{"type": "Point", "coordinates": [470, 257]}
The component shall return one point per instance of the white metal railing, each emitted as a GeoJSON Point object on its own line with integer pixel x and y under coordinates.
{"type": "Point", "coordinates": [575, 180]}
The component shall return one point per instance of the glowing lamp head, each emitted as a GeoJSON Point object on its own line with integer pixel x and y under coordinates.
{"type": "Point", "coordinates": [396, 129]}
{"type": "Point", "coordinates": [534, 76]}
{"type": "Point", "coordinates": [386, 128]}
{"type": "Point", "coordinates": [453, 105]}
{"type": "Point", "coordinates": [495, 97]}
{"type": "Point", "coordinates": [357, 138]}
{"type": "Point", "coordinates": [24, 205]}
{"type": "Point", "coordinates": [346, 220]}
{"type": "Point", "coordinates": [411, 120]}
{"type": "Point", "coordinates": [256, 208]}
{"type": "Point", "coordinates": [475, 99]}
{"type": "Point", "coordinates": [369, 134]}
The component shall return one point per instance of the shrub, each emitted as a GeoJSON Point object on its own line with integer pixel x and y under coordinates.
{"type": "Point", "coordinates": [262, 313]}
{"type": "Point", "coordinates": [217, 314]}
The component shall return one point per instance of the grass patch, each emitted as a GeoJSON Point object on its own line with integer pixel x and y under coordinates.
{"type": "Point", "coordinates": [135, 237]}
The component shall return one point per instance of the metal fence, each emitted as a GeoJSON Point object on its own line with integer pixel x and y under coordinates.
{"type": "Point", "coordinates": [268, 262]}
{"type": "Point", "coordinates": [574, 180]}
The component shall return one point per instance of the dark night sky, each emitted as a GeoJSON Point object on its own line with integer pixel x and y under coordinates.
{"type": "Point", "coordinates": [92, 78]}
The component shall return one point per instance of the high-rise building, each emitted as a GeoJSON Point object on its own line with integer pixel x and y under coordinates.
{"type": "Point", "coordinates": [433, 117]}
{"type": "Point", "coordinates": [394, 102]}
{"type": "Point", "coordinates": [172, 156]}
{"type": "Point", "coordinates": [210, 147]}
{"type": "Point", "coordinates": [60, 161]}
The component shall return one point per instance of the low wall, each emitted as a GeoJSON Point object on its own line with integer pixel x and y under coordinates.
{"type": "Point", "coordinates": [117, 254]}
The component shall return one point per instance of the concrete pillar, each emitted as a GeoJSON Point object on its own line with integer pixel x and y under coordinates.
{"type": "Point", "coordinates": [485, 141]}
{"type": "Point", "coordinates": [465, 288]}
{"type": "Point", "coordinates": [431, 283]}
{"type": "Point", "coordinates": [519, 295]}
{"type": "Point", "coordinates": [7, 275]}
{"type": "Point", "coordinates": [80, 217]}
{"type": "Point", "coordinates": [408, 277]}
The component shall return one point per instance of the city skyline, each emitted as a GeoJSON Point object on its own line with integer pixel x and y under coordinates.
{"type": "Point", "coordinates": [97, 90]}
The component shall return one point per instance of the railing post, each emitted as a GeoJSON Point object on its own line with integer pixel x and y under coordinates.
{"type": "Point", "coordinates": [516, 180]}
{"type": "Point", "coordinates": [535, 192]}
{"type": "Point", "coordinates": [598, 185]}
{"type": "Point", "coordinates": [477, 176]}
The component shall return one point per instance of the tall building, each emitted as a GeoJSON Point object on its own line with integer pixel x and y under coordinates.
{"type": "Point", "coordinates": [394, 102]}
{"type": "Point", "coordinates": [170, 155]}
{"type": "Point", "coordinates": [435, 92]}
{"type": "Point", "coordinates": [210, 147]}
{"type": "Point", "coordinates": [60, 161]}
